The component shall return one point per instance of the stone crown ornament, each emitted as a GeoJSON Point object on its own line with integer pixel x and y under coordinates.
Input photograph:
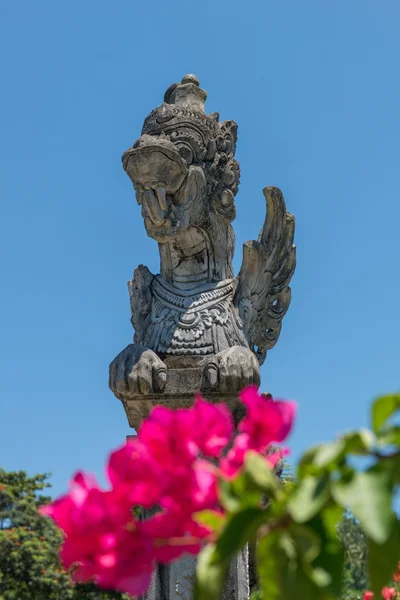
{"type": "Point", "coordinates": [197, 327]}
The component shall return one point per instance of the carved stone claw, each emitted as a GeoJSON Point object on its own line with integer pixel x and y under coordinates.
{"type": "Point", "coordinates": [212, 374]}
{"type": "Point", "coordinates": [137, 370]}
{"type": "Point", "coordinates": [232, 370]}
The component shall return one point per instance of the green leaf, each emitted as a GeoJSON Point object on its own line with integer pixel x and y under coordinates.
{"type": "Point", "coordinates": [228, 496]}
{"type": "Point", "coordinates": [210, 577]}
{"type": "Point", "coordinates": [331, 517]}
{"type": "Point", "coordinates": [327, 567]}
{"type": "Point", "coordinates": [210, 518]}
{"type": "Point", "coordinates": [245, 491]}
{"type": "Point", "coordinates": [286, 543]}
{"type": "Point", "coordinates": [329, 453]}
{"type": "Point", "coordinates": [355, 442]}
{"type": "Point", "coordinates": [310, 496]}
{"type": "Point", "coordinates": [369, 496]}
{"type": "Point", "coordinates": [272, 565]}
{"type": "Point", "coordinates": [382, 409]}
{"type": "Point", "coordinates": [261, 473]}
{"type": "Point", "coordinates": [320, 577]}
{"type": "Point", "coordinates": [383, 558]}
{"type": "Point", "coordinates": [307, 461]}
{"type": "Point", "coordinates": [396, 470]}
{"type": "Point", "coordinates": [303, 562]}
{"type": "Point", "coordinates": [359, 442]}
{"type": "Point", "coordinates": [307, 542]}
{"type": "Point", "coordinates": [240, 528]}
{"type": "Point", "coordinates": [302, 584]}
{"type": "Point", "coordinates": [283, 576]}
{"type": "Point", "coordinates": [390, 436]}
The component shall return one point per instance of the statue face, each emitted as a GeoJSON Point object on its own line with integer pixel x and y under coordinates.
{"type": "Point", "coordinates": [183, 167]}
{"type": "Point", "coordinates": [185, 175]}
{"type": "Point", "coordinates": [171, 192]}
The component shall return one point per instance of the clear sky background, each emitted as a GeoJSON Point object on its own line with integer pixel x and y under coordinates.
{"type": "Point", "coordinates": [315, 88]}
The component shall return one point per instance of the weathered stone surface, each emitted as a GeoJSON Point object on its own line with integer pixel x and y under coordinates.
{"type": "Point", "coordinates": [197, 327]}
{"type": "Point", "coordinates": [237, 585]}
{"type": "Point", "coordinates": [176, 581]}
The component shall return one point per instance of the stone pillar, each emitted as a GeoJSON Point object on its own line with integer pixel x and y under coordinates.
{"type": "Point", "coordinates": [237, 585]}
{"type": "Point", "coordinates": [176, 581]}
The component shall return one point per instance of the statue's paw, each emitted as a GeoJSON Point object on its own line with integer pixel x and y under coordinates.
{"type": "Point", "coordinates": [233, 369]}
{"type": "Point", "coordinates": [137, 370]}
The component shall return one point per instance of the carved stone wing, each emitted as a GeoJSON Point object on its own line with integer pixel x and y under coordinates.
{"type": "Point", "coordinates": [263, 293]}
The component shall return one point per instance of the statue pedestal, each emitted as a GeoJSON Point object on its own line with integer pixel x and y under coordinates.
{"type": "Point", "coordinates": [180, 389]}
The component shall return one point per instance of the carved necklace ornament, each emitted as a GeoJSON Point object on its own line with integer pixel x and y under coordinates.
{"type": "Point", "coordinates": [195, 313]}
{"type": "Point", "coordinates": [195, 324]}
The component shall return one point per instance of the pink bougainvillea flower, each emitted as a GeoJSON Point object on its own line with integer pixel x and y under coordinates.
{"type": "Point", "coordinates": [178, 437]}
{"type": "Point", "coordinates": [178, 492]}
{"type": "Point", "coordinates": [233, 462]}
{"type": "Point", "coordinates": [88, 515]}
{"type": "Point", "coordinates": [125, 565]}
{"type": "Point", "coordinates": [101, 538]}
{"type": "Point", "coordinates": [388, 593]}
{"type": "Point", "coordinates": [274, 457]}
{"type": "Point", "coordinates": [173, 534]}
{"type": "Point", "coordinates": [204, 493]}
{"type": "Point", "coordinates": [135, 475]}
{"type": "Point", "coordinates": [212, 427]}
{"type": "Point", "coordinates": [191, 489]}
{"type": "Point", "coordinates": [164, 466]}
{"type": "Point", "coordinates": [267, 421]}
{"type": "Point", "coordinates": [396, 574]}
{"type": "Point", "coordinates": [167, 435]}
{"type": "Point", "coordinates": [67, 510]}
{"type": "Point", "coordinates": [368, 595]}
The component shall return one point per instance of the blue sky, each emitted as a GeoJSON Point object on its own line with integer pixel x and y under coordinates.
{"type": "Point", "coordinates": [314, 87]}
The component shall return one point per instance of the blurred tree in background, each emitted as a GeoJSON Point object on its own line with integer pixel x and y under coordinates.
{"type": "Point", "coordinates": [29, 543]}
{"type": "Point", "coordinates": [355, 577]}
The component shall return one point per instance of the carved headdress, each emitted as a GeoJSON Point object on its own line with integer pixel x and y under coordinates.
{"type": "Point", "coordinates": [200, 139]}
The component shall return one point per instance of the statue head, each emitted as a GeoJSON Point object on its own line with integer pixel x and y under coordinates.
{"type": "Point", "coordinates": [184, 171]}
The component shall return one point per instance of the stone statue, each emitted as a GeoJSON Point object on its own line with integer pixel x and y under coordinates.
{"type": "Point", "coordinates": [197, 326]}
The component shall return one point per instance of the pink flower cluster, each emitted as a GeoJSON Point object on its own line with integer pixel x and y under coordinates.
{"type": "Point", "coordinates": [172, 467]}
{"type": "Point", "coordinates": [388, 593]}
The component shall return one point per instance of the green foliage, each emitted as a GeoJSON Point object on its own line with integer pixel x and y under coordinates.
{"type": "Point", "coordinates": [210, 576]}
{"type": "Point", "coordinates": [354, 541]}
{"type": "Point", "coordinates": [29, 544]}
{"type": "Point", "coordinates": [256, 595]}
{"type": "Point", "coordinates": [369, 497]}
{"type": "Point", "coordinates": [381, 565]}
{"type": "Point", "coordinates": [302, 551]}
{"type": "Point", "coordinates": [383, 409]}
